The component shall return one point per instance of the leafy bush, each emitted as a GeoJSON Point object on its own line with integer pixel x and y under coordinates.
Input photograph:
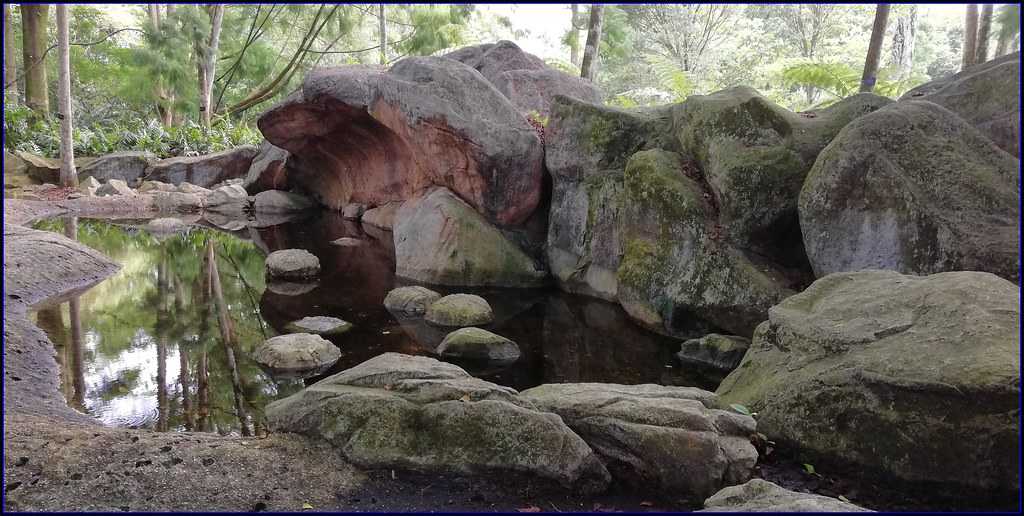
{"type": "Point", "coordinates": [24, 131]}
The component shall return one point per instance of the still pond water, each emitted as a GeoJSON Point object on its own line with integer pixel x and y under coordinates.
{"type": "Point", "coordinates": [144, 348]}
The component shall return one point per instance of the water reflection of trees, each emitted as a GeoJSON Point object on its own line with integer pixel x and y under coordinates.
{"type": "Point", "coordinates": [188, 302]}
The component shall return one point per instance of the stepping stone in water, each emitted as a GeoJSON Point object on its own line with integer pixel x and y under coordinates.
{"type": "Point", "coordinates": [319, 325]}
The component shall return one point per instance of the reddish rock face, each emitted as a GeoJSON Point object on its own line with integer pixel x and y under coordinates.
{"type": "Point", "coordinates": [269, 170]}
{"type": "Point", "coordinates": [359, 135]}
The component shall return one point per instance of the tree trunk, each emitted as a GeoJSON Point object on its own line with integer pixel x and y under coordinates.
{"type": "Point", "coordinates": [588, 69]}
{"type": "Point", "coordinates": [208, 66]}
{"type": "Point", "coordinates": [10, 61]}
{"type": "Point", "coordinates": [970, 36]}
{"type": "Point", "coordinates": [33, 38]}
{"type": "Point", "coordinates": [870, 76]}
{"type": "Point", "coordinates": [574, 36]}
{"type": "Point", "coordinates": [1001, 44]}
{"type": "Point", "coordinates": [903, 43]}
{"type": "Point", "coordinates": [383, 35]}
{"type": "Point", "coordinates": [68, 175]}
{"type": "Point", "coordinates": [984, 30]}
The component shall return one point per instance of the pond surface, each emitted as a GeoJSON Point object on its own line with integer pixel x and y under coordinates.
{"type": "Point", "coordinates": [145, 348]}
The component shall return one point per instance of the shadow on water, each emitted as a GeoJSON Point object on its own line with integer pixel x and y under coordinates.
{"type": "Point", "coordinates": [165, 343]}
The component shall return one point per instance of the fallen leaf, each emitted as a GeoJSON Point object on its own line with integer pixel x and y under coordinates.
{"type": "Point", "coordinates": [464, 398]}
{"type": "Point", "coordinates": [307, 506]}
{"type": "Point", "coordinates": [646, 504]}
{"type": "Point", "coordinates": [532, 508]}
{"type": "Point", "coordinates": [845, 499]}
{"type": "Point", "coordinates": [809, 468]}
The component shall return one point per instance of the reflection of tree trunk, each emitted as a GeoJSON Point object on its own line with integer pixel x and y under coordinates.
{"type": "Point", "coordinates": [77, 355]}
{"type": "Point", "coordinates": [162, 282]}
{"type": "Point", "coordinates": [228, 337]}
{"type": "Point", "coordinates": [183, 380]}
{"type": "Point", "coordinates": [51, 321]}
{"type": "Point", "coordinates": [203, 391]}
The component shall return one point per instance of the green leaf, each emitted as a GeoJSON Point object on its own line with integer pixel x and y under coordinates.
{"type": "Point", "coordinates": [845, 499]}
{"type": "Point", "coordinates": [809, 469]}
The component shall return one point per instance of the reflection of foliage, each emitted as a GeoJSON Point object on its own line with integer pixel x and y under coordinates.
{"type": "Point", "coordinates": [158, 298]}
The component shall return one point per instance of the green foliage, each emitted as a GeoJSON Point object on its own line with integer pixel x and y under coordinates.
{"type": "Point", "coordinates": [671, 77]}
{"type": "Point", "coordinates": [839, 80]}
{"type": "Point", "coordinates": [742, 409]}
{"type": "Point", "coordinates": [1008, 18]}
{"type": "Point", "coordinates": [437, 27]}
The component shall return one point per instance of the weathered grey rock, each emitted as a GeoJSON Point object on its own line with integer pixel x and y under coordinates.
{"type": "Point", "coordinates": [291, 288]}
{"type": "Point", "coordinates": [268, 170]}
{"type": "Point", "coordinates": [524, 78]}
{"type": "Point", "coordinates": [293, 264]}
{"type": "Point", "coordinates": [295, 352]}
{"type": "Point", "coordinates": [459, 310]}
{"type": "Point", "coordinates": [353, 211]}
{"type": "Point", "coordinates": [166, 225]}
{"type": "Point", "coordinates": [319, 325]}
{"type": "Point", "coordinates": [410, 300]}
{"type": "Point", "coordinates": [722, 352]}
{"type": "Point", "coordinates": [382, 216]}
{"type": "Point", "coordinates": [114, 187]}
{"type": "Point", "coordinates": [127, 166]}
{"type": "Point", "coordinates": [760, 495]}
{"type": "Point", "coordinates": [89, 185]}
{"type": "Point", "coordinates": [441, 240]}
{"type": "Point", "coordinates": [156, 186]}
{"type": "Point", "coordinates": [375, 414]}
{"type": "Point", "coordinates": [190, 188]}
{"type": "Point", "coordinates": [230, 199]}
{"type": "Point", "coordinates": [670, 439]}
{"type": "Point", "coordinates": [912, 188]}
{"type": "Point", "coordinates": [928, 367]}
{"type": "Point", "coordinates": [205, 171]}
{"type": "Point", "coordinates": [276, 201]}
{"type": "Point", "coordinates": [357, 134]}
{"type": "Point", "coordinates": [45, 170]}
{"type": "Point", "coordinates": [178, 201]}
{"type": "Point", "coordinates": [987, 96]}
{"type": "Point", "coordinates": [478, 344]}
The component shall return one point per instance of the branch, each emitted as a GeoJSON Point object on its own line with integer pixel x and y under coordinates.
{"type": "Point", "coordinates": [75, 44]}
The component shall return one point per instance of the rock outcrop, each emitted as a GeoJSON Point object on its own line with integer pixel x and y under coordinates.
{"type": "Point", "coordinates": [128, 166]}
{"type": "Point", "coordinates": [361, 134]}
{"type": "Point", "coordinates": [268, 170]}
{"type": "Point", "coordinates": [441, 240]}
{"type": "Point", "coordinates": [911, 377]}
{"type": "Point", "coordinates": [524, 78]}
{"type": "Point", "coordinates": [670, 439]}
{"type": "Point", "coordinates": [277, 201]}
{"type": "Point", "coordinates": [760, 495]}
{"type": "Point", "coordinates": [206, 170]}
{"type": "Point", "coordinates": [987, 96]}
{"type": "Point", "coordinates": [686, 214]}
{"type": "Point", "coordinates": [916, 189]}
{"type": "Point", "coordinates": [400, 411]}
{"type": "Point", "coordinates": [721, 352]}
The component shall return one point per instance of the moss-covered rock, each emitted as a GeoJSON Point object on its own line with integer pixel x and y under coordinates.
{"type": "Point", "coordinates": [722, 352]}
{"type": "Point", "coordinates": [410, 300]}
{"type": "Point", "coordinates": [913, 188]}
{"type": "Point", "coordinates": [319, 325]}
{"type": "Point", "coordinates": [400, 411]}
{"type": "Point", "coordinates": [441, 240]}
{"type": "Point", "coordinates": [759, 495]}
{"type": "Point", "coordinates": [478, 344]}
{"type": "Point", "coordinates": [908, 376]}
{"type": "Point", "coordinates": [460, 310]}
{"type": "Point", "coordinates": [301, 354]}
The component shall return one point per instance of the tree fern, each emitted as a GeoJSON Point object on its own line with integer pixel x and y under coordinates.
{"type": "Point", "coordinates": [671, 77]}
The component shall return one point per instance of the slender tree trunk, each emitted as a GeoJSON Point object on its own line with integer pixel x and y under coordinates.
{"type": "Point", "coordinates": [984, 31]}
{"type": "Point", "coordinates": [588, 69]}
{"type": "Point", "coordinates": [904, 33]}
{"type": "Point", "coordinates": [870, 76]}
{"type": "Point", "coordinates": [208, 66]}
{"type": "Point", "coordinates": [68, 176]}
{"type": "Point", "coordinates": [228, 337]}
{"type": "Point", "coordinates": [185, 383]}
{"type": "Point", "coordinates": [33, 40]}
{"type": "Point", "coordinates": [10, 60]}
{"type": "Point", "coordinates": [574, 36]}
{"type": "Point", "coordinates": [1001, 45]}
{"type": "Point", "coordinates": [153, 10]}
{"type": "Point", "coordinates": [970, 36]}
{"type": "Point", "coordinates": [383, 35]}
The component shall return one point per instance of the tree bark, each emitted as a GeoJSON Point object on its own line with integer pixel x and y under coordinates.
{"type": "Point", "coordinates": [870, 75]}
{"type": "Point", "coordinates": [68, 175]}
{"type": "Point", "coordinates": [574, 36]}
{"type": "Point", "coordinates": [903, 37]}
{"type": "Point", "coordinates": [970, 49]}
{"type": "Point", "coordinates": [208, 67]}
{"type": "Point", "coordinates": [383, 35]}
{"type": "Point", "coordinates": [10, 61]}
{"type": "Point", "coordinates": [588, 69]}
{"type": "Point", "coordinates": [33, 31]}
{"type": "Point", "coordinates": [984, 31]}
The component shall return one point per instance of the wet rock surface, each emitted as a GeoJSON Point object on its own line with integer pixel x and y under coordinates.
{"type": "Point", "coordinates": [320, 325]}
{"type": "Point", "coordinates": [411, 300]}
{"type": "Point", "coordinates": [760, 495]}
{"type": "Point", "coordinates": [478, 344]}
{"type": "Point", "coordinates": [297, 352]}
{"type": "Point", "coordinates": [293, 264]}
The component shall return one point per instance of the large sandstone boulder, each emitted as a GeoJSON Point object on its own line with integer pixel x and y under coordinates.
{"type": "Point", "coordinates": [913, 188]}
{"type": "Point", "coordinates": [441, 240]}
{"type": "Point", "coordinates": [228, 199]}
{"type": "Point", "coordinates": [987, 96]}
{"type": "Point", "coordinates": [759, 495]}
{"type": "Point", "coordinates": [401, 411]}
{"type": "Point", "coordinates": [911, 377]}
{"type": "Point", "coordinates": [478, 344]}
{"type": "Point", "coordinates": [382, 216]}
{"type": "Point", "coordinates": [268, 170]}
{"type": "Point", "coordinates": [206, 170]}
{"type": "Point", "coordinates": [669, 439]}
{"type": "Point", "coordinates": [45, 170]}
{"type": "Point", "coordinates": [277, 201]}
{"type": "Point", "coordinates": [127, 166]}
{"type": "Point", "coordinates": [524, 78]}
{"type": "Point", "coordinates": [360, 134]}
{"type": "Point", "coordinates": [114, 187]}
